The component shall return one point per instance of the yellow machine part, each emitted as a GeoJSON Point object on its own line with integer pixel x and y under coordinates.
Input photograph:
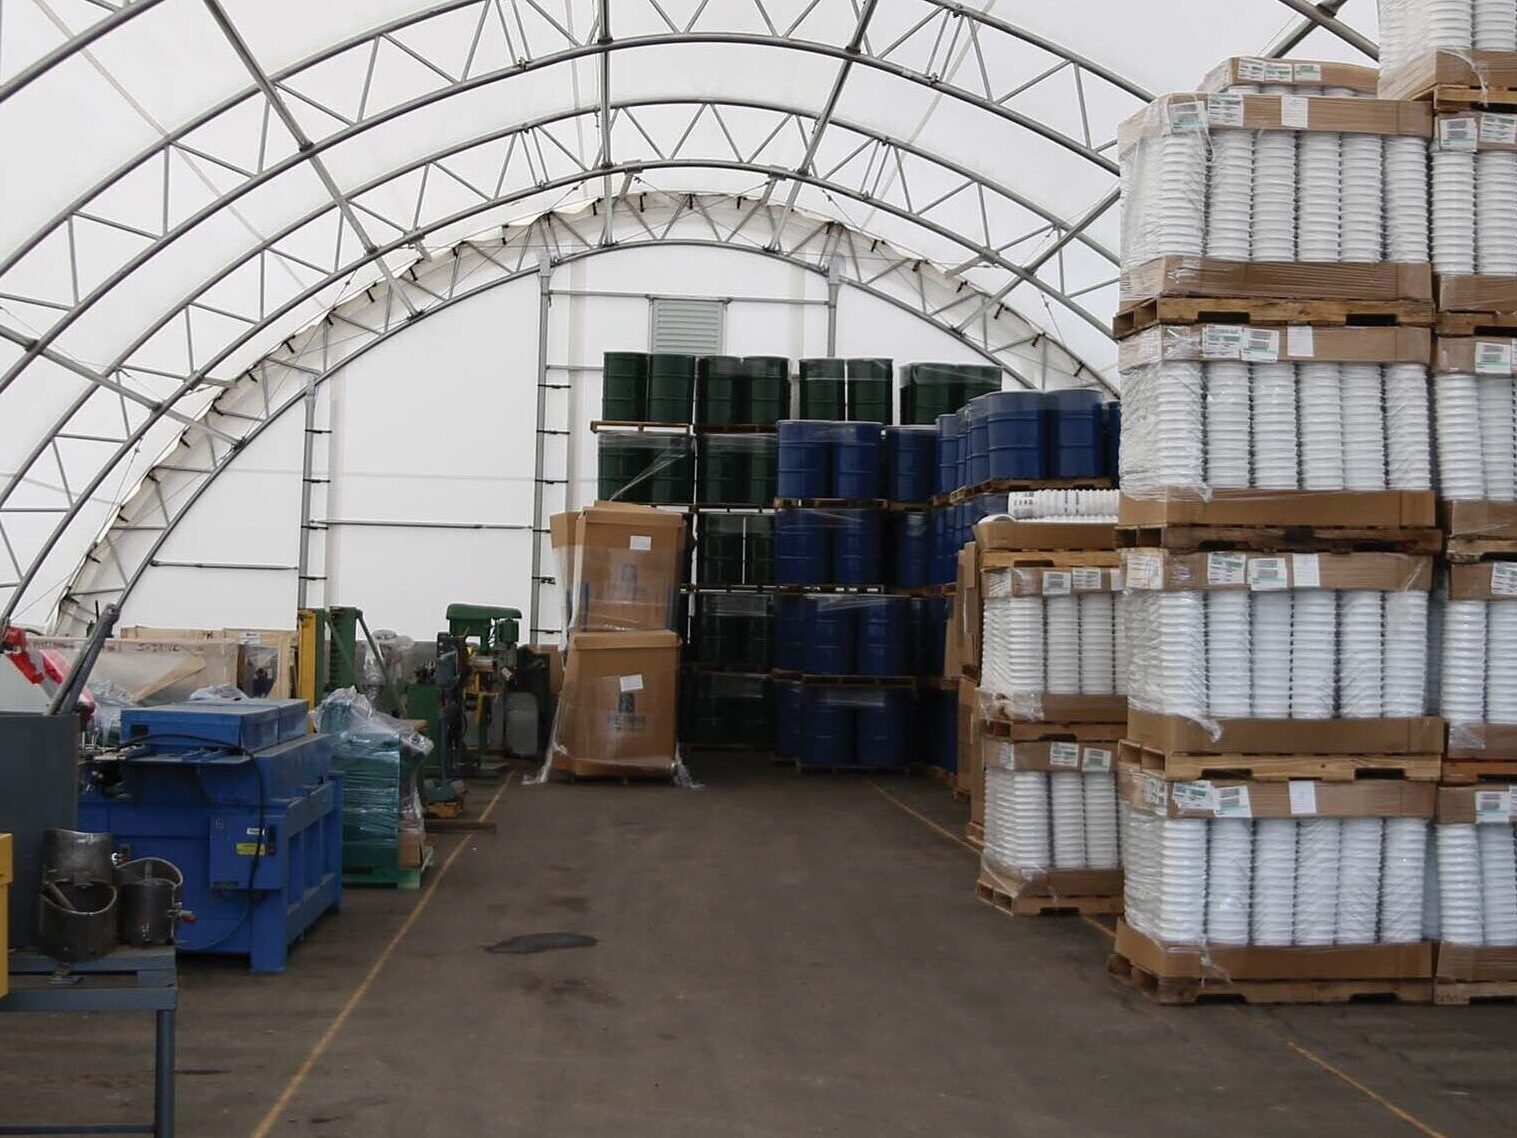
{"type": "Point", "coordinates": [305, 656]}
{"type": "Point", "coordinates": [5, 885]}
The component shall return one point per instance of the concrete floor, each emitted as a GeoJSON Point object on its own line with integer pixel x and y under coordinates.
{"type": "Point", "coordinates": [776, 955]}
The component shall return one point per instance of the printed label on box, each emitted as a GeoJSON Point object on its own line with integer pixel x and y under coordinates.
{"type": "Point", "coordinates": [1222, 341]}
{"type": "Point", "coordinates": [1064, 755]}
{"type": "Point", "coordinates": [1225, 109]}
{"type": "Point", "coordinates": [1303, 796]}
{"type": "Point", "coordinates": [1261, 345]}
{"type": "Point", "coordinates": [1279, 72]}
{"type": "Point", "coordinates": [1187, 114]}
{"type": "Point", "coordinates": [640, 541]}
{"type": "Point", "coordinates": [1498, 128]}
{"type": "Point", "coordinates": [1145, 569]}
{"type": "Point", "coordinates": [1300, 342]}
{"type": "Point", "coordinates": [1252, 70]}
{"type": "Point", "coordinates": [1504, 578]}
{"type": "Point", "coordinates": [1089, 580]}
{"type": "Point", "coordinates": [1006, 754]}
{"type": "Point", "coordinates": [1493, 357]}
{"type": "Point", "coordinates": [1232, 802]}
{"type": "Point", "coordinates": [1116, 580]}
{"type": "Point", "coordinates": [1295, 111]}
{"type": "Point", "coordinates": [1308, 73]}
{"type": "Point", "coordinates": [1458, 132]}
{"type": "Point", "coordinates": [1057, 583]}
{"type": "Point", "coordinates": [1306, 569]}
{"type": "Point", "coordinates": [1155, 791]}
{"type": "Point", "coordinates": [1266, 573]}
{"type": "Point", "coordinates": [1198, 795]}
{"type": "Point", "coordinates": [1226, 568]}
{"type": "Point", "coordinates": [631, 683]}
{"type": "Point", "coordinates": [1493, 806]}
{"type": "Point", "coordinates": [1095, 760]}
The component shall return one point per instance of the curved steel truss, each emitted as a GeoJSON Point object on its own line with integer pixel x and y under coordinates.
{"type": "Point", "coordinates": [288, 377]}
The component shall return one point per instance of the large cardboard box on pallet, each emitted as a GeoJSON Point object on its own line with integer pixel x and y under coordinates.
{"type": "Point", "coordinates": [620, 566]}
{"type": "Point", "coordinates": [1241, 70]}
{"type": "Point", "coordinates": [619, 706]}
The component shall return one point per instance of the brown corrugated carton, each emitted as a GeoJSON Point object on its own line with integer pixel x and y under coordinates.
{"type": "Point", "coordinates": [617, 713]}
{"type": "Point", "coordinates": [620, 566]}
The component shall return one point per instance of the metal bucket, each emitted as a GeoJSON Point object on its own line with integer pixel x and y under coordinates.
{"type": "Point", "coordinates": [142, 868]}
{"type": "Point", "coordinates": [76, 922]}
{"type": "Point", "coordinates": [80, 857]}
{"type": "Point", "coordinates": [147, 911]}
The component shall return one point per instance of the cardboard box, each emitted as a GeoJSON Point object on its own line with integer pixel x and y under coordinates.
{"type": "Point", "coordinates": [1088, 756]}
{"type": "Point", "coordinates": [1473, 965]}
{"type": "Point", "coordinates": [1479, 292]}
{"type": "Point", "coordinates": [1358, 509]}
{"type": "Point", "coordinates": [1297, 798]}
{"type": "Point", "coordinates": [555, 657]}
{"type": "Point", "coordinates": [1473, 355]}
{"type": "Point", "coordinates": [1483, 741]}
{"type": "Point", "coordinates": [1432, 69]}
{"type": "Point", "coordinates": [1485, 803]}
{"type": "Point", "coordinates": [1042, 581]}
{"type": "Point", "coordinates": [625, 566]}
{"type": "Point", "coordinates": [1290, 73]}
{"type": "Point", "coordinates": [968, 612]}
{"type": "Point", "coordinates": [1292, 962]}
{"type": "Point", "coordinates": [1296, 343]}
{"type": "Point", "coordinates": [1193, 276]}
{"type": "Point", "coordinates": [1202, 111]}
{"type": "Point", "coordinates": [1052, 885]}
{"type": "Point", "coordinates": [1046, 707]}
{"type": "Point", "coordinates": [1491, 521]}
{"type": "Point", "coordinates": [1484, 580]}
{"type": "Point", "coordinates": [619, 705]}
{"type": "Point", "coordinates": [1422, 735]}
{"type": "Point", "coordinates": [1162, 570]}
{"type": "Point", "coordinates": [1002, 533]}
{"type": "Point", "coordinates": [970, 778]}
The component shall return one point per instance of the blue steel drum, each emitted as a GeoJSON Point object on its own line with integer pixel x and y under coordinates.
{"type": "Point", "coordinates": [1078, 446]}
{"type": "Point", "coordinates": [802, 547]}
{"type": "Point", "coordinates": [950, 438]}
{"type": "Point", "coordinates": [884, 732]}
{"type": "Point", "coordinates": [944, 552]}
{"type": "Point", "coordinates": [857, 547]}
{"type": "Point", "coordinates": [831, 636]}
{"type": "Point", "coordinates": [827, 727]}
{"type": "Point", "coordinates": [787, 719]}
{"type": "Point", "coordinates": [1018, 426]}
{"type": "Point", "coordinates": [790, 632]}
{"type": "Point", "coordinates": [857, 451]}
{"type": "Point", "coordinates": [884, 636]}
{"type": "Point", "coordinates": [911, 550]}
{"type": "Point", "coordinates": [805, 449]}
{"type": "Point", "coordinates": [910, 463]}
{"type": "Point", "coordinates": [1114, 441]}
{"type": "Point", "coordinates": [977, 416]}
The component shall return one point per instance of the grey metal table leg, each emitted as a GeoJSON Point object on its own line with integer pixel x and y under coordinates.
{"type": "Point", "coordinates": [163, 1077]}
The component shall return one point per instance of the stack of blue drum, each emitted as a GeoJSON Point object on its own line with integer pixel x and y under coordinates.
{"type": "Point", "coordinates": [1028, 436]}
{"type": "Point", "coordinates": [830, 726]}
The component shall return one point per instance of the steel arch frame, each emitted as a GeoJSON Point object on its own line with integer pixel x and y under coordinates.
{"type": "Point", "coordinates": [105, 550]}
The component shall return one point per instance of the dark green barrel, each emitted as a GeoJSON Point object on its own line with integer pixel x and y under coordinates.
{"type": "Point", "coordinates": [624, 387]}
{"type": "Point", "coordinates": [979, 379]}
{"type": "Point", "coordinates": [931, 389]}
{"type": "Point", "coordinates": [763, 470]}
{"type": "Point", "coordinates": [734, 630]}
{"type": "Point", "coordinates": [758, 554]}
{"type": "Point", "coordinates": [768, 389]}
{"type": "Point", "coordinates": [722, 470]}
{"type": "Point", "coordinates": [729, 711]}
{"type": "Point", "coordinates": [671, 387]}
{"type": "Point", "coordinates": [623, 466]}
{"type": "Point", "coordinates": [822, 384]}
{"type": "Point", "coordinates": [721, 391]}
{"type": "Point", "coordinates": [736, 549]}
{"type": "Point", "coordinates": [671, 470]}
{"type": "Point", "coordinates": [870, 395]}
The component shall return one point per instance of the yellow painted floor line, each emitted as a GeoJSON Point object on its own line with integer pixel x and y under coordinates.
{"type": "Point", "coordinates": [1299, 1049]}
{"type": "Point", "coordinates": [328, 1037]}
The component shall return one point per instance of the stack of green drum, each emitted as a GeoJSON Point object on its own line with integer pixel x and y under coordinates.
{"type": "Point", "coordinates": [734, 631]}
{"type": "Point", "coordinates": [870, 395]}
{"type": "Point", "coordinates": [641, 388]}
{"type": "Point", "coordinates": [735, 549]}
{"type": "Point", "coordinates": [729, 711]}
{"type": "Point", "coordinates": [933, 389]}
{"type": "Point", "coordinates": [647, 469]}
{"type": "Point", "coordinates": [748, 391]}
{"type": "Point", "coordinates": [738, 470]}
{"type": "Point", "coordinates": [858, 391]}
{"type": "Point", "coordinates": [821, 389]}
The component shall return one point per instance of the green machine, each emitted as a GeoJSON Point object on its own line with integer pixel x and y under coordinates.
{"type": "Point", "coordinates": [326, 656]}
{"type": "Point", "coordinates": [457, 695]}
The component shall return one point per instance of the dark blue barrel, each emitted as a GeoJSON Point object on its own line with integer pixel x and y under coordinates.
{"type": "Point", "coordinates": [1078, 449]}
{"type": "Point", "coordinates": [965, 517]}
{"type": "Point", "coordinates": [884, 636]}
{"type": "Point", "coordinates": [911, 549]}
{"type": "Point", "coordinates": [884, 730]}
{"type": "Point", "coordinates": [790, 632]}
{"type": "Point", "coordinates": [856, 468]}
{"type": "Point", "coordinates": [805, 458]}
{"type": "Point", "coordinates": [827, 729]}
{"type": "Point", "coordinates": [788, 729]}
{"type": "Point", "coordinates": [910, 463]}
{"type": "Point", "coordinates": [857, 547]}
{"type": "Point", "coordinates": [1113, 440]}
{"type": "Point", "coordinates": [977, 434]}
{"type": "Point", "coordinates": [802, 547]}
{"type": "Point", "coordinates": [944, 552]}
{"type": "Point", "coordinates": [936, 612]}
{"type": "Point", "coordinates": [1019, 431]}
{"type": "Point", "coordinates": [950, 438]}
{"type": "Point", "coordinates": [943, 728]}
{"type": "Point", "coordinates": [831, 636]}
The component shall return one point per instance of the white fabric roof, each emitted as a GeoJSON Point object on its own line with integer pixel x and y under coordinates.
{"type": "Point", "coordinates": [194, 182]}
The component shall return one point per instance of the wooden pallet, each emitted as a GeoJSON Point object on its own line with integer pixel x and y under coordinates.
{"type": "Point", "coordinates": [1452, 97]}
{"type": "Point", "coordinates": [831, 503]}
{"type": "Point", "coordinates": [1280, 768]}
{"type": "Point", "coordinates": [1192, 990]}
{"type": "Point", "coordinates": [1144, 313]}
{"type": "Point", "coordinates": [907, 507]}
{"type": "Point", "coordinates": [856, 681]}
{"type": "Point", "coordinates": [1039, 732]}
{"type": "Point", "coordinates": [735, 428]}
{"type": "Point", "coordinates": [996, 559]}
{"type": "Point", "coordinates": [391, 877]}
{"type": "Point", "coordinates": [732, 507]}
{"type": "Point", "coordinates": [1460, 993]}
{"type": "Point", "coordinates": [1465, 550]}
{"type": "Point", "coordinates": [974, 834]}
{"type": "Point", "coordinates": [934, 772]}
{"type": "Point", "coordinates": [847, 768]}
{"type": "Point", "coordinates": [1282, 539]}
{"type": "Point", "coordinates": [1043, 906]}
{"type": "Point", "coordinates": [1018, 485]}
{"type": "Point", "coordinates": [597, 425]}
{"type": "Point", "coordinates": [841, 590]}
{"type": "Point", "coordinates": [1477, 323]}
{"type": "Point", "coordinates": [726, 669]}
{"type": "Point", "coordinates": [1467, 771]}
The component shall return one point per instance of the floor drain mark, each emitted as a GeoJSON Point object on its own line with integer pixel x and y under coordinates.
{"type": "Point", "coordinates": [540, 942]}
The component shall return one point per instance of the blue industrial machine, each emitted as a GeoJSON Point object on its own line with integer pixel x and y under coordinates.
{"type": "Point", "coordinates": [244, 801]}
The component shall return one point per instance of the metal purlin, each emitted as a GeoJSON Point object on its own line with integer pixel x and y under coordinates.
{"type": "Point", "coordinates": [822, 246]}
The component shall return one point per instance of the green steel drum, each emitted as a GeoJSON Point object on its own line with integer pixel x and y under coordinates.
{"type": "Point", "coordinates": [979, 379]}
{"type": "Point", "coordinates": [624, 387]}
{"type": "Point", "coordinates": [722, 556]}
{"type": "Point", "coordinates": [870, 398]}
{"type": "Point", "coordinates": [763, 474]}
{"type": "Point", "coordinates": [623, 466]}
{"type": "Point", "coordinates": [671, 471]}
{"type": "Point", "coordinates": [768, 389]}
{"type": "Point", "coordinates": [729, 711]}
{"type": "Point", "coordinates": [671, 387]}
{"type": "Point", "coordinates": [721, 391]}
{"type": "Point", "coordinates": [822, 384]}
{"type": "Point", "coordinates": [722, 470]}
{"type": "Point", "coordinates": [932, 389]}
{"type": "Point", "coordinates": [758, 554]}
{"type": "Point", "coordinates": [734, 630]}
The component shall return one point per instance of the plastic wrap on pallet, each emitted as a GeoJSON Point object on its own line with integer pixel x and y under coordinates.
{"type": "Point", "coordinates": [736, 470]}
{"type": "Point", "coordinates": [1234, 863]}
{"type": "Point", "coordinates": [649, 469]}
{"type": "Point", "coordinates": [847, 545]}
{"type": "Point", "coordinates": [1429, 43]}
{"type": "Point", "coordinates": [1215, 182]}
{"type": "Point", "coordinates": [1475, 402]}
{"type": "Point", "coordinates": [825, 458]}
{"type": "Point", "coordinates": [1474, 210]}
{"type": "Point", "coordinates": [380, 758]}
{"type": "Point", "coordinates": [1220, 636]}
{"type": "Point", "coordinates": [1051, 633]}
{"type": "Point", "coordinates": [1474, 639]}
{"type": "Point", "coordinates": [1063, 505]}
{"type": "Point", "coordinates": [1050, 805]}
{"type": "Point", "coordinates": [1476, 859]}
{"type": "Point", "coordinates": [1228, 407]}
{"type": "Point", "coordinates": [619, 567]}
{"type": "Point", "coordinates": [728, 710]}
